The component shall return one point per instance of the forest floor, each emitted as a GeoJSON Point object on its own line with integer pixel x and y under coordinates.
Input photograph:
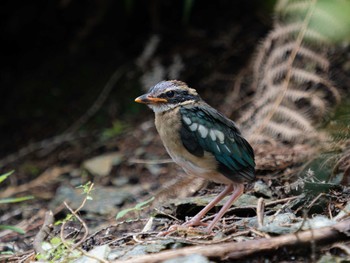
{"type": "Point", "coordinates": [113, 220]}
{"type": "Point", "coordinates": [106, 195]}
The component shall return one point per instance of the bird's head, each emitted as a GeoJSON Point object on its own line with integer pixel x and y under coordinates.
{"type": "Point", "coordinates": [167, 95]}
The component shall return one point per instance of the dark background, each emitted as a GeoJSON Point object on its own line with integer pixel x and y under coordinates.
{"type": "Point", "coordinates": [56, 57]}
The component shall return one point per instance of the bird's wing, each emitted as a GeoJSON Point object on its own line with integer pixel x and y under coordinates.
{"type": "Point", "coordinates": [205, 129]}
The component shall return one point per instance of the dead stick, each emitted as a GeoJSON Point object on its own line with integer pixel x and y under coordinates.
{"type": "Point", "coordinates": [234, 250]}
{"type": "Point", "coordinates": [46, 177]}
{"type": "Point", "coordinates": [86, 232]}
{"type": "Point", "coordinates": [43, 232]}
{"type": "Point", "coordinates": [260, 210]}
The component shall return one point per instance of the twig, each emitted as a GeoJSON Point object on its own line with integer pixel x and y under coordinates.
{"type": "Point", "coordinates": [259, 233]}
{"type": "Point", "coordinates": [98, 102]}
{"type": "Point", "coordinates": [166, 214]}
{"type": "Point", "coordinates": [195, 240]}
{"type": "Point", "coordinates": [142, 161]}
{"type": "Point", "coordinates": [343, 247]}
{"type": "Point", "coordinates": [80, 220]}
{"type": "Point", "coordinates": [86, 232]}
{"type": "Point", "coordinates": [105, 232]}
{"type": "Point", "coordinates": [253, 207]}
{"type": "Point", "coordinates": [280, 210]}
{"type": "Point", "coordinates": [27, 256]}
{"type": "Point", "coordinates": [85, 199]}
{"type": "Point", "coordinates": [93, 109]}
{"type": "Point", "coordinates": [36, 146]}
{"type": "Point", "coordinates": [47, 176]}
{"type": "Point", "coordinates": [260, 209]}
{"type": "Point", "coordinates": [43, 232]}
{"type": "Point", "coordinates": [315, 199]}
{"type": "Point", "coordinates": [236, 250]}
{"type": "Point", "coordinates": [69, 134]}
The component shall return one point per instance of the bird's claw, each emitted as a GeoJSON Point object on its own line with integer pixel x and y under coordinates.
{"type": "Point", "coordinates": [170, 230]}
{"type": "Point", "coordinates": [194, 222]}
{"type": "Point", "coordinates": [185, 227]}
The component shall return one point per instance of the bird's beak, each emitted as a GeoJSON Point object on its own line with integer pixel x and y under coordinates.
{"type": "Point", "coordinates": [148, 99]}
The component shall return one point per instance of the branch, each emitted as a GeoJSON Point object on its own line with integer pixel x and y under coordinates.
{"type": "Point", "coordinates": [43, 232]}
{"type": "Point", "coordinates": [235, 250]}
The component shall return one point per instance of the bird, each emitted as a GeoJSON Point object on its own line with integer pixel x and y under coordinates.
{"type": "Point", "coordinates": [202, 141]}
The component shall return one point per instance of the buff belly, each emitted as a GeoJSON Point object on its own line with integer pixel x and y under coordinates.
{"type": "Point", "coordinates": [205, 167]}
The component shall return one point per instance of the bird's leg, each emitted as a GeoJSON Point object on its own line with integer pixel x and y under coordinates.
{"type": "Point", "coordinates": [196, 220]}
{"type": "Point", "coordinates": [237, 192]}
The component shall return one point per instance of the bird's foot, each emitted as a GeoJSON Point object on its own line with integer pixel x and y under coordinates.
{"type": "Point", "coordinates": [187, 227]}
{"type": "Point", "coordinates": [194, 222]}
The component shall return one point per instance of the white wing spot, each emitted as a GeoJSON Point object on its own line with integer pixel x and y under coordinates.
{"type": "Point", "coordinates": [203, 131]}
{"type": "Point", "coordinates": [227, 148]}
{"type": "Point", "coordinates": [193, 126]}
{"type": "Point", "coordinates": [187, 120]}
{"type": "Point", "coordinates": [217, 146]}
{"type": "Point", "coordinates": [220, 136]}
{"type": "Point", "coordinates": [212, 135]}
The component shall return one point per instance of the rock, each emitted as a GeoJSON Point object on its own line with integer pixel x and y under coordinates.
{"type": "Point", "coordinates": [100, 252]}
{"type": "Point", "coordinates": [261, 188]}
{"type": "Point", "coordinates": [102, 165]}
{"type": "Point", "coordinates": [105, 200]}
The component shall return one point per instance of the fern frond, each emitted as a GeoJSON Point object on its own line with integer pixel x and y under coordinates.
{"type": "Point", "coordinates": [316, 102]}
{"type": "Point", "coordinates": [278, 54]}
{"type": "Point", "coordinates": [285, 114]}
{"type": "Point", "coordinates": [330, 18]}
{"type": "Point", "coordinates": [301, 76]}
{"type": "Point", "coordinates": [293, 91]}
{"type": "Point", "coordinates": [292, 7]}
{"type": "Point", "coordinates": [286, 133]}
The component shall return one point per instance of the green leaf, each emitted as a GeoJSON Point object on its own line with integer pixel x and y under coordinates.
{"type": "Point", "coordinates": [117, 128]}
{"type": "Point", "coordinates": [41, 257]}
{"type": "Point", "coordinates": [140, 205]}
{"type": "Point", "coordinates": [137, 207]}
{"type": "Point", "coordinates": [58, 222]}
{"type": "Point", "coordinates": [7, 253]}
{"type": "Point", "coordinates": [15, 199]}
{"type": "Point", "coordinates": [55, 241]}
{"type": "Point", "coordinates": [122, 213]}
{"type": "Point", "coordinates": [4, 176]}
{"type": "Point", "coordinates": [13, 228]}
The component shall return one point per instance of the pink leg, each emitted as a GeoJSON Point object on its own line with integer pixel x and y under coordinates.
{"type": "Point", "coordinates": [196, 220]}
{"type": "Point", "coordinates": [237, 192]}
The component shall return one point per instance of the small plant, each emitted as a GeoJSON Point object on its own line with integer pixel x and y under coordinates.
{"type": "Point", "coordinates": [12, 200]}
{"type": "Point", "coordinates": [67, 250]}
{"type": "Point", "coordinates": [87, 189]}
{"type": "Point", "coordinates": [117, 128]}
{"type": "Point", "coordinates": [57, 250]}
{"type": "Point", "coordinates": [137, 208]}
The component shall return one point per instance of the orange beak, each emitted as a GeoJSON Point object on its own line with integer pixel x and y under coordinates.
{"type": "Point", "coordinates": [147, 99]}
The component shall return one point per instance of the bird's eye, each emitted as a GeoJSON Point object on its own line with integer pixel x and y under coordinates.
{"type": "Point", "coordinates": [170, 93]}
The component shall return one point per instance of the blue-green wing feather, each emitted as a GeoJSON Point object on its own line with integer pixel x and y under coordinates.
{"type": "Point", "coordinates": [234, 154]}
